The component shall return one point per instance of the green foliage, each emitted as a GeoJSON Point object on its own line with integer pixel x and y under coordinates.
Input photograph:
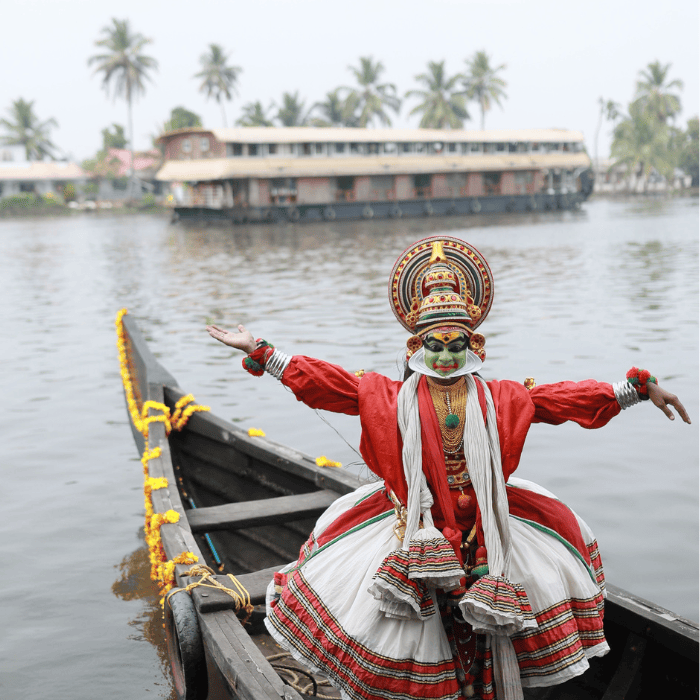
{"type": "Point", "coordinates": [69, 193]}
{"type": "Point", "coordinates": [689, 151]}
{"type": "Point", "coordinates": [90, 190]}
{"type": "Point", "coordinates": [148, 201]}
{"type": "Point", "coordinates": [50, 200]}
{"type": "Point", "coordinates": [481, 82]}
{"type": "Point", "coordinates": [20, 202]}
{"type": "Point", "coordinates": [254, 114]}
{"type": "Point", "coordinates": [24, 129]}
{"type": "Point", "coordinates": [336, 110]}
{"type": "Point", "coordinates": [292, 112]}
{"type": "Point", "coordinates": [654, 94]}
{"type": "Point", "coordinates": [442, 105]}
{"type": "Point", "coordinates": [181, 118]}
{"type": "Point", "coordinates": [218, 78]}
{"type": "Point", "coordinates": [370, 98]}
{"type": "Point", "coordinates": [115, 139]}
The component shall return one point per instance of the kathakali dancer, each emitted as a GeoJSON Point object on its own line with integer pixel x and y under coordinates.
{"type": "Point", "coordinates": [448, 577]}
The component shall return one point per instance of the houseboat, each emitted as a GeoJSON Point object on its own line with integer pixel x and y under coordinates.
{"type": "Point", "coordinates": [315, 174]}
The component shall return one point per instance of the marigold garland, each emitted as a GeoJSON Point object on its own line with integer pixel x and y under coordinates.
{"type": "Point", "coordinates": [323, 461]}
{"type": "Point", "coordinates": [162, 569]}
{"type": "Point", "coordinates": [256, 432]}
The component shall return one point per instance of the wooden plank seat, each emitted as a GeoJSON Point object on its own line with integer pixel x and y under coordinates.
{"type": "Point", "coordinates": [212, 600]}
{"type": "Point", "coordinates": [268, 511]}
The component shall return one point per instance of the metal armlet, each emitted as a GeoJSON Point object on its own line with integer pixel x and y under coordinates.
{"type": "Point", "coordinates": [277, 363]}
{"type": "Point", "coordinates": [625, 394]}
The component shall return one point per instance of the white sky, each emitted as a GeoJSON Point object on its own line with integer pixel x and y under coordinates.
{"type": "Point", "coordinates": [561, 56]}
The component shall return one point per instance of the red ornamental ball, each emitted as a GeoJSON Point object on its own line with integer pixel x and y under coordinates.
{"type": "Point", "coordinates": [480, 555]}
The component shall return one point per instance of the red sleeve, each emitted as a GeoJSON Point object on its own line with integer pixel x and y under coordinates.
{"type": "Point", "coordinates": [320, 384]}
{"type": "Point", "coordinates": [589, 403]}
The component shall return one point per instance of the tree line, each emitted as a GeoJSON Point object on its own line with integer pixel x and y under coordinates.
{"type": "Point", "coordinates": [644, 138]}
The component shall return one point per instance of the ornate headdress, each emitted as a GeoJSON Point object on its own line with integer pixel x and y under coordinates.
{"type": "Point", "coordinates": [442, 283]}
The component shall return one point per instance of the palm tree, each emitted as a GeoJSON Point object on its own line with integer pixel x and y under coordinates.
{"type": "Point", "coordinates": [654, 93]}
{"type": "Point", "coordinates": [642, 143]}
{"type": "Point", "coordinates": [442, 107]}
{"type": "Point", "coordinates": [481, 83]}
{"type": "Point", "coordinates": [254, 114]}
{"type": "Point", "coordinates": [218, 79]}
{"type": "Point", "coordinates": [291, 113]}
{"type": "Point", "coordinates": [371, 96]}
{"type": "Point", "coordinates": [336, 110]}
{"type": "Point", "coordinates": [611, 111]}
{"type": "Point", "coordinates": [25, 129]}
{"type": "Point", "coordinates": [127, 68]}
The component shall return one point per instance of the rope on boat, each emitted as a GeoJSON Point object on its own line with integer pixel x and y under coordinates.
{"type": "Point", "coordinates": [239, 593]}
{"type": "Point", "coordinates": [290, 676]}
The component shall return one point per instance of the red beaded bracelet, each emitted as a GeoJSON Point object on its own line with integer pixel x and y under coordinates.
{"type": "Point", "coordinates": [639, 378]}
{"type": "Point", "coordinates": [255, 362]}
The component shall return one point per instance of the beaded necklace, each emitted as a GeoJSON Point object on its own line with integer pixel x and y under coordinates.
{"type": "Point", "coordinates": [450, 402]}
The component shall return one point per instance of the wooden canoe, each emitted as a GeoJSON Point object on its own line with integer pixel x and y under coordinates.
{"type": "Point", "coordinates": [246, 506]}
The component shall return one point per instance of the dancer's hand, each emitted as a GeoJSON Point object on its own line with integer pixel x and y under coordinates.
{"type": "Point", "coordinates": [663, 399]}
{"type": "Point", "coordinates": [243, 340]}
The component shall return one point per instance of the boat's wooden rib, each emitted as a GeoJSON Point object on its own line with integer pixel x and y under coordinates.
{"type": "Point", "coordinates": [259, 499]}
{"type": "Point", "coordinates": [234, 516]}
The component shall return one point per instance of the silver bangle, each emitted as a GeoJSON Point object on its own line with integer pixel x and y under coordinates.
{"type": "Point", "coordinates": [277, 363]}
{"type": "Point", "coordinates": [626, 394]}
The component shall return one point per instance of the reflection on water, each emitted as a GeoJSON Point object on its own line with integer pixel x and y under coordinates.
{"type": "Point", "coordinates": [134, 583]}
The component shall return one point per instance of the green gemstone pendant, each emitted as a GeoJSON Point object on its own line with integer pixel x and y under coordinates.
{"type": "Point", "coordinates": [452, 421]}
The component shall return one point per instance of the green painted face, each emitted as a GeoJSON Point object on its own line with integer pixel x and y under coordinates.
{"type": "Point", "coordinates": [445, 353]}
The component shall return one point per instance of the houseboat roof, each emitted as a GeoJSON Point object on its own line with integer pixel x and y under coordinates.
{"type": "Point", "coordinates": [40, 170]}
{"type": "Point", "coordinates": [223, 168]}
{"type": "Point", "coordinates": [310, 134]}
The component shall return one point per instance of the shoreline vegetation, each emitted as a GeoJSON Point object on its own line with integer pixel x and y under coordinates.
{"type": "Point", "coordinates": [31, 205]}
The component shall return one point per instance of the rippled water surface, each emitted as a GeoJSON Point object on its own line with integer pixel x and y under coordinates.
{"type": "Point", "coordinates": [577, 295]}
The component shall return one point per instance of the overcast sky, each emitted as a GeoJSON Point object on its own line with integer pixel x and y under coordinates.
{"type": "Point", "coordinates": [560, 56]}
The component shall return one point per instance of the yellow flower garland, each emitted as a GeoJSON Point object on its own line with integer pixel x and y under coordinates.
{"type": "Point", "coordinates": [323, 461]}
{"type": "Point", "coordinates": [162, 569]}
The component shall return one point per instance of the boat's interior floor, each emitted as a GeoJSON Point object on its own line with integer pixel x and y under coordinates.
{"type": "Point", "coordinates": [292, 673]}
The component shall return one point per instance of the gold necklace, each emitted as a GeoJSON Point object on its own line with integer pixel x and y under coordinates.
{"type": "Point", "coordinates": [450, 402]}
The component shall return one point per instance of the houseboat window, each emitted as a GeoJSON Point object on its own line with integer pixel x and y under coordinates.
{"type": "Point", "coordinates": [452, 147]}
{"type": "Point", "coordinates": [420, 148]}
{"type": "Point", "coordinates": [389, 148]}
{"type": "Point", "coordinates": [492, 183]}
{"type": "Point", "coordinates": [421, 184]}
{"type": "Point", "coordinates": [234, 149]}
{"type": "Point", "coordinates": [534, 147]}
{"type": "Point", "coordinates": [500, 147]}
{"type": "Point", "coordinates": [549, 147]}
{"type": "Point", "coordinates": [567, 147]}
{"type": "Point", "coordinates": [436, 147]}
{"type": "Point", "coordinates": [577, 147]}
{"type": "Point", "coordinates": [373, 148]}
{"type": "Point", "coordinates": [340, 148]}
{"type": "Point", "coordinates": [272, 149]}
{"type": "Point", "coordinates": [475, 147]}
{"type": "Point", "coordinates": [407, 147]}
{"type": "Point", "coordinates": [512, 148]}
{"type": "Point", "coordinates": [358, 148]}
{"type": "Point", "coordinates": [252, 149]}
{"type": "Point", "coordinates": [489, 148]}
{"type": "Point", "coordinates": [186, 146]}
{"type": "Point", "coordinates": [319, 149]}
{"type": "Point", "coordinates": [204, 145]}
{"type": "Point", "coordinates": [522, 147]}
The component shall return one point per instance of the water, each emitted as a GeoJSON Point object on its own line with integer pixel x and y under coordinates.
{"type": "Point", "coordinates": [577, 295]}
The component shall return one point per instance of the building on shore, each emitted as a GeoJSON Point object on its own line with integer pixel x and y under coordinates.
{"type": "Point", "coordinates": [615, 178]}
{"type": "Point", "coordinates": [19, 175]}
{"type": "Point", "coordinates": [308, 173]}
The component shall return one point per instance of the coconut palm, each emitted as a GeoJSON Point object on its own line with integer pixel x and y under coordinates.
{"type": "Point", "coordinates": [336, 110]}
{"type": "Point", "coordinates": [254, 114]}
{"type": "Point", "coordinates": [126, 67]}
{"type": "Point", "coordinates": [654, 92]}
{"type": "Point", "coordinates": [442, 106]}
{"type": "Point", "coordinates": [481, 83]}
{"type": "Point", "coordinates": [609, 110]}
{"type": "Point", "coordinates": [218, 79]}
{"type": "Point", "coordinates": [24, 129]}
{"type": "Point", "coordinates": [643, 144]}
{"type": "Point", "coordinates": [370, 96]}
{"type": "Point", "coordinates": [291, 113]}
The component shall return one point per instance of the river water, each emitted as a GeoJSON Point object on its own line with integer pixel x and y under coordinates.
{"type": "Point", "coordinates": [577, 295]}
